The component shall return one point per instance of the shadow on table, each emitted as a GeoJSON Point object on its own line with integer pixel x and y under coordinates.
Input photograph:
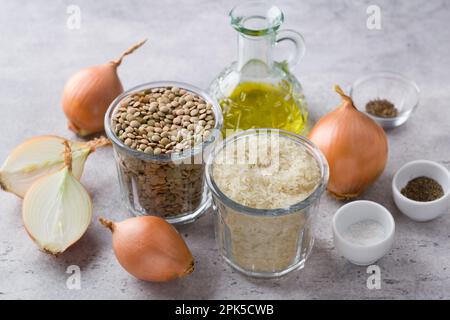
{"type": "Point", "coordinates": [84, 251]}
{"type": "Point", "coordinates": [201, 284]}
{"type": "Point", "coordinates": [304, 283]}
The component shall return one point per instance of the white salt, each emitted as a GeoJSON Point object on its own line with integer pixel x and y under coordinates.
{"type": "Point", "coordinates": [365, 232]}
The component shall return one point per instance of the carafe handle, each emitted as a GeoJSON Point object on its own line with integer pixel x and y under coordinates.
{"type": "Point", "coordinates": [299, 45]}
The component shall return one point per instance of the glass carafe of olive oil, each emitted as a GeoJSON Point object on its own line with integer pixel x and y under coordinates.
{"type": "Point", "coordinates": [256, 91]}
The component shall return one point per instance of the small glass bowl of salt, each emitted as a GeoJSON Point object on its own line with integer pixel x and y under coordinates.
{"type": "Point", "coordinates": [363, 232]}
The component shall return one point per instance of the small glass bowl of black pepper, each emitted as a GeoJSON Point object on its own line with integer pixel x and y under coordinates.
{"type": "Point", "coordinates": [387, 97]}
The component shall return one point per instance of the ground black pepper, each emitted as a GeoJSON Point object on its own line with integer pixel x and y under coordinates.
{"type": "Point", "coordinates": [381, 108]}
{"type": "Point", "coordinates": [423, 189]}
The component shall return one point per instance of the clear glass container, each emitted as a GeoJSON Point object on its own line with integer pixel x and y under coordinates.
{"type": "Point", "coordinates": [173, 185]}
{"type": "Point", "coordinates": [256, 91]}
{"type": "Point", "coordinates": [266, 243]}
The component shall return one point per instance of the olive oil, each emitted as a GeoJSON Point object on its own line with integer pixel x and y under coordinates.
{"type": "Point", "coordinates": [262, 105]}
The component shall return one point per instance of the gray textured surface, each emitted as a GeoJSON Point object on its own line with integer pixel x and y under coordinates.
{"type": "Point", "coordinates": [192, 41]}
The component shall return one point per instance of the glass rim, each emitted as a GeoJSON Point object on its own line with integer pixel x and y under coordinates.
{"type": "Point", "coordinates": [175, 156]}
{"type": "Point", "coordinates": [388, 75]}
{"type": "Point", "coordinates": [238, 20]}
{"type": "Point", "coordinates": [310, 199]}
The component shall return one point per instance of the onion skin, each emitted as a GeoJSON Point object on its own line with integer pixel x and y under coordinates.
{"type": "Point", "coordinates": [150, 248]}
{"type": "Point", "coordinates": [355, 147]}
{"type": "Point", "coordinates": [87, 95]}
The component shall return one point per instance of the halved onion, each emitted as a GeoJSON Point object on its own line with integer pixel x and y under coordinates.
{"type": "Point", "coordinates": [57, 211]}
{"type": "Point", "coordinates": [40, 156]}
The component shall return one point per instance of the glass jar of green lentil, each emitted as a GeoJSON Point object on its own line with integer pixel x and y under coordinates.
{"type": "Point", "coordinates": [162, 133]}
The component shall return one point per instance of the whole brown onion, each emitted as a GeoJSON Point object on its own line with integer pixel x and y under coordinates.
{"type": "Point", "coordinates": [88, 94]}
{"type": "Point", "coordinates": [355, 146]}
{"type": "Point", "coordinates": [150, 248]}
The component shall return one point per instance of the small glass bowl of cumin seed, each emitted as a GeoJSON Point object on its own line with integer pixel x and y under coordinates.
{"type": "Point", "coordinates": [387, 88]}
